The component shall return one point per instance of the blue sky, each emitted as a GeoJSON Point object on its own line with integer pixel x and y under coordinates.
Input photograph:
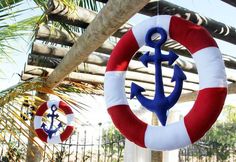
{"type": "Point", "coordinates": [211, 8]}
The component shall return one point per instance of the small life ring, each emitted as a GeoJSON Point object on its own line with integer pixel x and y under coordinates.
{"type": "Point", "coordinates": [212, 82]}
{"type": "Point", "coordinates": [38, 122]}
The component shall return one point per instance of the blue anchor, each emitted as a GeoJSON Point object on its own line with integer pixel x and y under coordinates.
{"type": "Point", "coordinates": [160, 104]}
{"type": "Point", "coordinates": [51, 131]}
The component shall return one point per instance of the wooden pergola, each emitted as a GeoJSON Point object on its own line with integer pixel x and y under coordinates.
{"type": "Point", "coordinates": [83, 55]}
{"type": "Point", "coordinates": [58, 57]}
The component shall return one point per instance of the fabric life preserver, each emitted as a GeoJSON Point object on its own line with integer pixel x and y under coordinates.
{"type": "Point", "coordinates": [38, 122]}
{"type": "Point", "coordinates": [212, 83]}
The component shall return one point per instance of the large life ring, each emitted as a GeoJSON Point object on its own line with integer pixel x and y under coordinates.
{"type": "Point", "coordinates": [38, 122]}
{"type": "Point", "coordinates": [212, 82]}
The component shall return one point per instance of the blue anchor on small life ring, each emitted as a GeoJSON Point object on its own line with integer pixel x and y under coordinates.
{"type": "Point", "coordinates": [51, 131]}
{"type": "Point", "coordinates": [160, 104]}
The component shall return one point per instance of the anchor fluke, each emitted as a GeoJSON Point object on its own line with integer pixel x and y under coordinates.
{"type": "Point", "coordinates": [135, 90]}
{"type": "Point", "coordinates": [43, 126]}
{"type": "Point", "coordinates": [172, 57]}
{"type": "Point", "coordinates": [145, 59]}
{"type": "Point", "coordinates": [178, 77]}
{"type": "Point", "coordinates": [178, 74]}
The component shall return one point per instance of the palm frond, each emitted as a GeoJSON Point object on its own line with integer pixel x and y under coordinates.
{"type": "Point", "coordinates": [15, 117]}
{"type": "Point", "coordinates": [19, 103]}
{"type": "Point", "coordinates": [8, 4]}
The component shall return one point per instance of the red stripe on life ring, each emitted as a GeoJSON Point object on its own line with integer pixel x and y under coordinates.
{"type": "Point", "coordinates": [127, 47]}
{"type": "Point", "coordinates": [42, 108]}
{"type": "Point", "coordinates": [65, 108]}
{"type": "Point", "coordinates": [190, 35]}
{"type": "Point", "coordinates": [67, 132]}
{"type": "Point", "coordinates": [41, 134]}
{"type": "Point", "coordinates": [128, 124]}
{"type": "Point", "coordinates": [205, 111]}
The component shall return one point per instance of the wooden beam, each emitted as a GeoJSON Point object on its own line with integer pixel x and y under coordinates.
{"type": "Point", "coordinates": [60, 52]}
{"type": "Point", "coordinates": [147, 93]}
{"type": "Point", "coordinates": [105, 23]}
{"type": "Point", "coordinates": [46, 33]}
{"type": "Point", "coordinates": [81, 17]}
{"type": "Point", "coordinates": [231, 2]}
{"type": "Point", "coordinates": [217, 29]}
{"type": "Point", "coordinates": [232, 88]}
{"type": "Point", "coordinates": [100, 70]}
{"type": "Point", "coordinates": [101, 59]}
{"type": "Point", "coordinates": [93, 78]}
{"type": "Point", "coordinates": [193, 95]}
{"type": "Point", "coordinates": [54, 35]}
{"type": "Point", "coordinates": [188, 97]}
{"type": "Point", "coordinates": [77, 17]}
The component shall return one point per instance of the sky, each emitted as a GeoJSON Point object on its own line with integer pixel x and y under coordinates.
{"type": "Point", "coordinates": [211, 8]}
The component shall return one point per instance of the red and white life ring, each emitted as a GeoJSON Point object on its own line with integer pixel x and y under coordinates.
{"type": "Point", "coordinates": [38, 122]}
{"type": "Point", "coordinates": [211, 95]}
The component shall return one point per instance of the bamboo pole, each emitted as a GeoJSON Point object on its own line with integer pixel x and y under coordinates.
{"type": "Point", "coordinates": [108, 20]}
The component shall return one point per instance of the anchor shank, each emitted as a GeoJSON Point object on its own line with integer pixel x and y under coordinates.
{"type": "Point", "coordinates": [158, 79]}
{"type": "Point", "coordinates": [52, 121]}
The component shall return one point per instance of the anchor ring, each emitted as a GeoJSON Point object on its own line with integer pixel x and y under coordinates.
{"type": "Point", "coordinates": [38, 122]}
{"type": "Point", "coordinates": [212, 85]}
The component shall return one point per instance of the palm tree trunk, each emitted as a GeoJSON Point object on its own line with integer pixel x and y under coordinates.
{"type": "Point", "coordinates": [108, 20]}
{"type": "Point", "coordinates": [33, 153]}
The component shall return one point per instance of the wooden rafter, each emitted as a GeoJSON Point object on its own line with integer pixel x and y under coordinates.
{"type": "Point", "coordinates": [217, 29]}
{"type": "Point", "coordinates": [231, 2]}
{"type": "Point", "coordinates": [53, 51]}
{"type": "Point", "coordinates": [63, 38]}
{"type": "Point", "coordinates": [193, 95]}
{"type": "Point", "coordinates": [91, 68]}
{"type": "Point", "coordinates": [32, 71]}
{"type": "Point", "coordinates": [105, 23]}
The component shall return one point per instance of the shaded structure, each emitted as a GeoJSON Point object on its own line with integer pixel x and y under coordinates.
{"type": "Point", "coordinates": [48, 56]}
{"type": "Point", "coordinates": [54, 48]}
